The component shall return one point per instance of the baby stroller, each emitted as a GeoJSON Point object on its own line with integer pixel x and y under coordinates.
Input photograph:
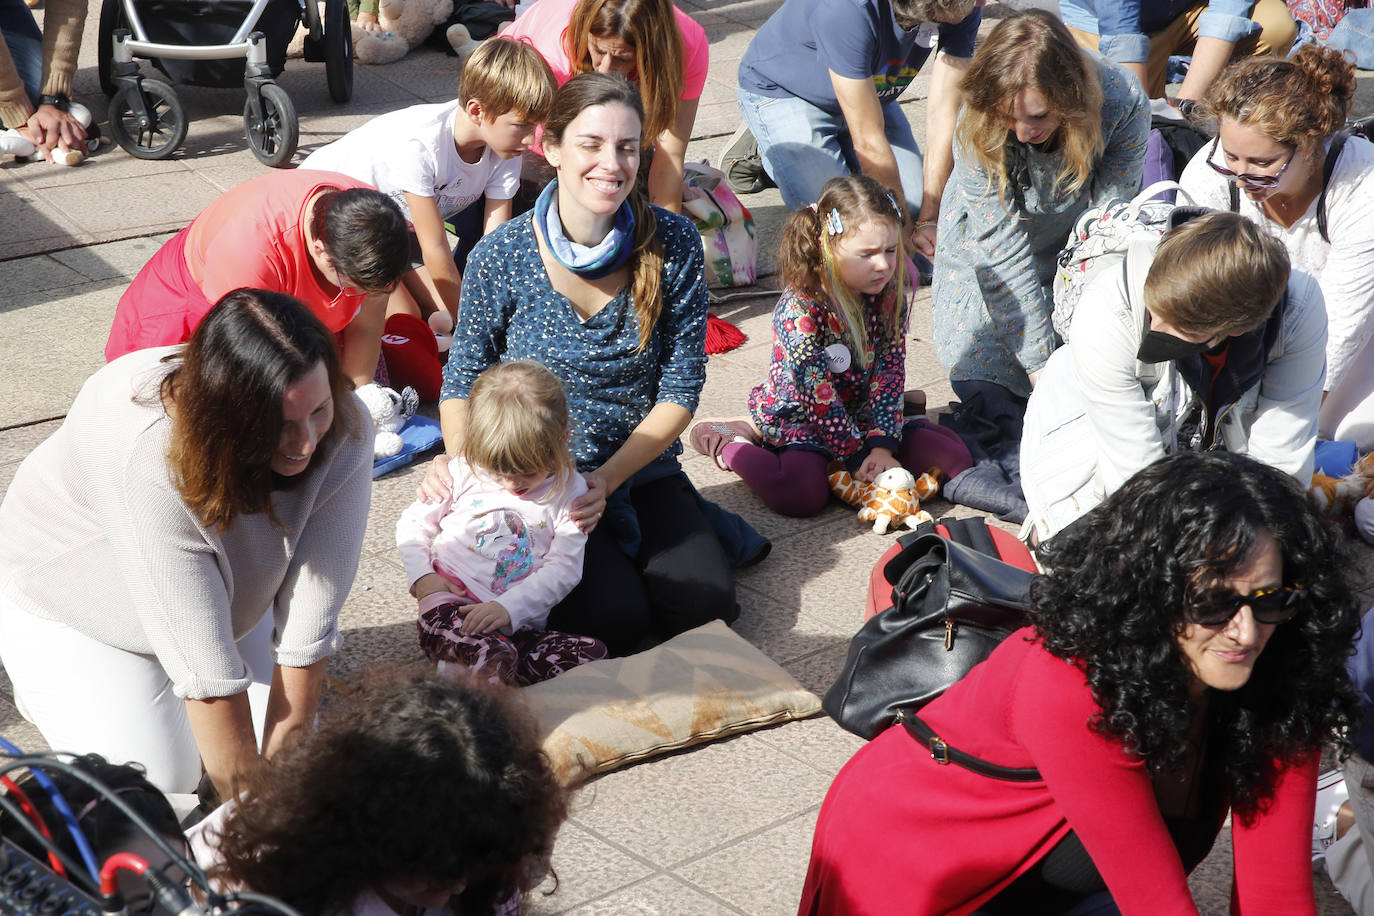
{"type": "Point", "coordinates": [217, 43]}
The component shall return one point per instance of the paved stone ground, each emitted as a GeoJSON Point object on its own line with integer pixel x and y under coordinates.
{"type": "Point", "coordinates": [725, 828]}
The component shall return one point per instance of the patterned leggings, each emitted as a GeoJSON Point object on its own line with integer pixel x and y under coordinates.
{"type": "Point", "coordinates": [526, 657]}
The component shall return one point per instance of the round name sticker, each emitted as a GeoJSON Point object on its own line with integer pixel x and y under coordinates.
{"type": "Point", "coordinates": [837, 357]}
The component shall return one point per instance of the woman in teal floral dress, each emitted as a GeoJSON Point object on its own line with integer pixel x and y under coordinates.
{"type": "Point", "coordinates": [1048, 131]}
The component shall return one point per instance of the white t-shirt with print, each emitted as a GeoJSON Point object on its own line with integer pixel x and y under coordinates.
{"type": "Point", "coordinates": [411, 151]}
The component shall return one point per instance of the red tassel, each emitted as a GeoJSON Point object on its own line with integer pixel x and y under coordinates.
{"type": "Point", "coordinates": [721, 335]}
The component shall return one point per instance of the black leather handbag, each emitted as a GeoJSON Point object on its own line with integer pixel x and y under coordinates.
{"type": "Point", "coordinates": [951, 606]}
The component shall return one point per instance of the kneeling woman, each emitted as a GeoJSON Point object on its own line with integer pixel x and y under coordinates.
{"type": "Point", "coordinates": [197, 504]}
{"type": "Point", "coordinates": [1048, 130]}
{"type": "Point", "coordinates": [1186, 657]}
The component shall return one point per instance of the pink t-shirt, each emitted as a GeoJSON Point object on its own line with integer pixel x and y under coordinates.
{"type": "Point", "coordinates": [252, 235]}
{"type": "Point", "coordinates": [544, 24]}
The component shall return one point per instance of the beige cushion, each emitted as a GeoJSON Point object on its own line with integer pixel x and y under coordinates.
{"type": "Point", "coordinates": [696, 687]}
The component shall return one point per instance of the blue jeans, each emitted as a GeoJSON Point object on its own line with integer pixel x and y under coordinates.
{"type": "Point", "coordinates": [803, 147]}
{"type": "Point", "coordinates": [25, 44]}
{"type": "Point", "coordinates": [1355, 33]}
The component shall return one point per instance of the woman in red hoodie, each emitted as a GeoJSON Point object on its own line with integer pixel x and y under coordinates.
{"type": "Point", "coordinates": [1186, 659]}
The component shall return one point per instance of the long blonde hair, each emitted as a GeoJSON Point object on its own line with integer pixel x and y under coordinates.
{"type": "Point", "coordinates": [650, 28]}
{"type": "Point", "coordinates": [1032, 50]}
{"type": "Point", "coordinates": [807, 262]}
{"type": "Point", "coordinates": [517, 423]}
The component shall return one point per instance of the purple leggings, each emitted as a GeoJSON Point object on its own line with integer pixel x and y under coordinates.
{"type": "Point", "coordinates": [792, 481]}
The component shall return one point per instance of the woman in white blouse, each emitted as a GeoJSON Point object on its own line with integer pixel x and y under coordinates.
{"type": "Point", "coordinates": [1280, 159]}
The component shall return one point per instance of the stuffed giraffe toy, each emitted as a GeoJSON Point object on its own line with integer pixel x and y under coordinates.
{"type": "Point", "coordinates": [892, 499]}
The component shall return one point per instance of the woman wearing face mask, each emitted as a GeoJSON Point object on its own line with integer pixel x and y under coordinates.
{"type": "Point", "coordinates": [1185, 659]}
{"type": "Point", "coordinates": [608, 293]}
{"type": "Point", "coordinates": [1277, 160]}
{"type": "Point", "coordinates": [651, 43]}
{"type": "Point", "coordinates": [1048, 130]}
{"type": "Point", "coordinates": [1206, 342]}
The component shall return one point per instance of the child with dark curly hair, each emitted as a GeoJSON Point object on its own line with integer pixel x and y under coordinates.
{"type": "Point", "coordinates": [417, 792]}
{"type": "Point", "coordinates": [1186, 658]}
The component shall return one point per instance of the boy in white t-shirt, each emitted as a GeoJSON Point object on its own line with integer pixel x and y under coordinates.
{"type": "Point", "coordinates": [441, 161]}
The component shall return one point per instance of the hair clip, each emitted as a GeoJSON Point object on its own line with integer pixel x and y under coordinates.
{"type": "Point", "coordinates": [833, 224]}
{"type": "Point", "coordinates": [895, 206]}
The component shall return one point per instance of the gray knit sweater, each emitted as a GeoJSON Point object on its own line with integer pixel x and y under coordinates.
{"type": "Point", "coordinates": [94, 534]}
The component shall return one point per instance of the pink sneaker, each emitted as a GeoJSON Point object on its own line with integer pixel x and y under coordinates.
{"type": "Point", "coordinates": [710, 436]}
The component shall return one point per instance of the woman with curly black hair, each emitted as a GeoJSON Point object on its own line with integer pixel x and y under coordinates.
{"type": "Point", "coordinates": [1186, 658]}
{"type": "Point", "coordinates": [416, 792]}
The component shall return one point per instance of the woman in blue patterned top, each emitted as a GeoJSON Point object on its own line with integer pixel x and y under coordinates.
{"type": "Point", "coordinates": [1048, 131]}
{"type": "Point", "coordinates": [608, 293]}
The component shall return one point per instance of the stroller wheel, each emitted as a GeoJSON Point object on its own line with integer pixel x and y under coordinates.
{"type": "Point", "coordinates": [165, 128]}
{"type": "Point", "coordinates": [273, 139]}
{"type": "Point", "coordinates": [338, 50]}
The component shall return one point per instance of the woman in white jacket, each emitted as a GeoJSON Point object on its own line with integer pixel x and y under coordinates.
{"type": "Point", "coordinates": [1207, 341]}
{"type": "Point", "coordinates": [1280, 160]}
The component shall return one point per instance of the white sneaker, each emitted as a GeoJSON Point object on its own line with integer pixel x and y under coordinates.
{"type": "Point", "coordinates": [1331, 794]}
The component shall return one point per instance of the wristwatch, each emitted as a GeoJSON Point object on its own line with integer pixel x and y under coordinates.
{"type": "Point", "coordinates": [1186, 107]}
{"type": "Point", "coordinates": [58, 101]}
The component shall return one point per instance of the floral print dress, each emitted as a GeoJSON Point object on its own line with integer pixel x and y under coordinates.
{"type": "Point", "coordinates": [995, 254]}
{"type": "Point", "coordinates": [817, 395]}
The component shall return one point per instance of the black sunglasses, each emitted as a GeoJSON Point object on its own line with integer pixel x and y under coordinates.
{"type": "Point", "coordinates": [1216, 607]}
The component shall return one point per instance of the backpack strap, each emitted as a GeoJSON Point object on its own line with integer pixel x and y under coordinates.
{"type": "Point", "coordinates": [1332, 154]}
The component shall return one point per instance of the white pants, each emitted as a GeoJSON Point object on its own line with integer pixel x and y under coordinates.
{"type": "Point", "coordinates": [1348, 411]}
{"type": "Point", "coordinates": [87, 697]}
{"type": "Point", "coordinates": [1350, 860]}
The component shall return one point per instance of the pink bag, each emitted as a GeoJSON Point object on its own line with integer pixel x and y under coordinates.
{"type": "Point", "coordinates": [725, 224]}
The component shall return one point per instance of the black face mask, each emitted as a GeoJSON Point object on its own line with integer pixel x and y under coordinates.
{"type": "Point", "coordinates": [1158, 347]}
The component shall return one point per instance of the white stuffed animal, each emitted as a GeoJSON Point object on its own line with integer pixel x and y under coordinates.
{"type": "Point", "coordinates": [389, 412]}
{"type": "Point", "coordinates": [13, 143]}
{"type": "Point", "coordinates": [405, 24]}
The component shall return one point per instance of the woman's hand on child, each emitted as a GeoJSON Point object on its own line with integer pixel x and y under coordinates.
{"type": "Point", "coordinates": [588, 508]}
{"type": "Point", "coordinates": [878, 460]}
{"type": "Point", "coordinates": [484, 618]}
{"type": "Point", "coordinates": [438, 483]}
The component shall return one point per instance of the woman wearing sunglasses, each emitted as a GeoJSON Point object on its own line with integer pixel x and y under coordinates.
{"type": "Point", "coordinates": [1277, 160]}
{"type": "Point", "coordinates": [336, 244]}
{"type": "Point", "coordinates": [1185, 659]}
{"type": "Point", "coordinates": [1204, 340]}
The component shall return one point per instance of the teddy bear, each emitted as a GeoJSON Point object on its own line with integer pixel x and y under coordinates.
{"type": "Point", "coordinates": [389, 412]}
{"type": "Point", "coordinates": [892, 498]}
{"type": "Point", "coordinates": [405, 24]}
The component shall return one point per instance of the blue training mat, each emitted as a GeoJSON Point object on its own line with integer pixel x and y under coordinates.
{"type": "Point", "coordinates": [419, 434]}
{"type": "Point", "coordinates": [1336, 459]}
